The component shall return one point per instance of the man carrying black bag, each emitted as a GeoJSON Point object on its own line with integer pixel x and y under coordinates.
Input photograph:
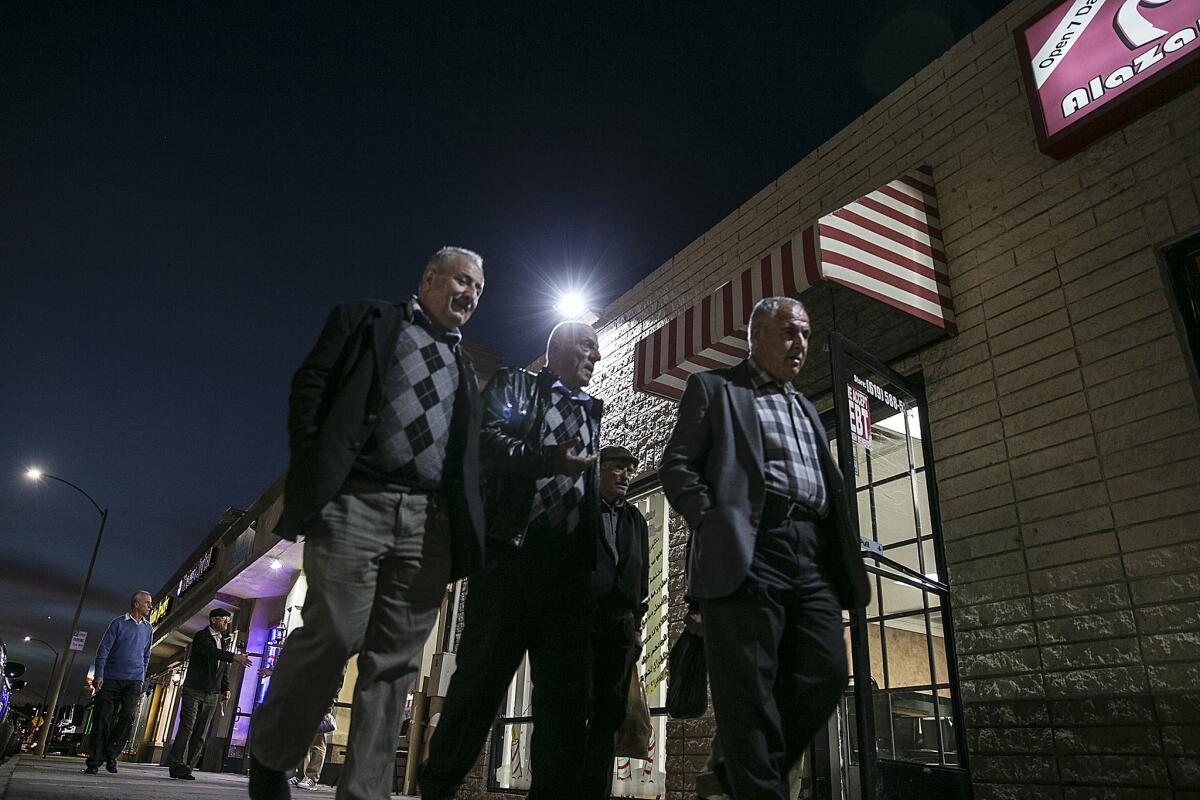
{"type": "Point", "coordinates": [774, 556]}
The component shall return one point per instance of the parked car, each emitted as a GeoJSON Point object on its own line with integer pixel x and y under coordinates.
{"type": "Point", "coordinates": [10, 682]}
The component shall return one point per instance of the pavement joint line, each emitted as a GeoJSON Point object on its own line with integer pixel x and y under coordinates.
{"type": "Point", "coordinates": [6, 770]}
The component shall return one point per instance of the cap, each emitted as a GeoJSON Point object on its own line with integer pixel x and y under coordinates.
{"type": "Point", "coordinates": [616, 452]}
{"type": "Point", "coordinates": [219, 612]}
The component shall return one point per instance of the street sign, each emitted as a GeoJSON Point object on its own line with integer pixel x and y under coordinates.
{"type": "Point", "coordinates": [78, 639]}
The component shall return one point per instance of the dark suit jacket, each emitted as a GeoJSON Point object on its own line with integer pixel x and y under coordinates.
{"type": "Point", "coordinates": [334, 407]}
{"type": "Point", "coordinates": [208, 665]}
{"type": "Point", "coordinates": [633, 545]}
{"type": "Point", "coordinates": [711, 472]}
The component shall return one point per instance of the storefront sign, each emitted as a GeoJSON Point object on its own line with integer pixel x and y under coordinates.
{"type": "Point", "coordinates": [860, 417]}
{"type": "Point", "coordinates": [193, 575]}
{"type": "Point", "coordinates": [78, 640]}
{"type": "Point", "coordinates": [1092, 65]}
{"type": "Point", "coordinates": [160, 609]}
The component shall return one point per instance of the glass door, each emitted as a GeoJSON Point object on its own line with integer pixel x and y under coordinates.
{"type": "Point", "coordinates": [899, 729]}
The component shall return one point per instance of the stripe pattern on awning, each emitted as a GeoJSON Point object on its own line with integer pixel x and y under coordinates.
{"type": "Point", "coordinates": [886, 245]}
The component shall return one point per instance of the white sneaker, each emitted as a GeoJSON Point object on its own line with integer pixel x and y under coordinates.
{"type": "Point", "coordinates": [307, 783]}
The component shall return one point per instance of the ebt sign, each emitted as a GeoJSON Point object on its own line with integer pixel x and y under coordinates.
{"type": "Point", "coordinates": [1091, 65]}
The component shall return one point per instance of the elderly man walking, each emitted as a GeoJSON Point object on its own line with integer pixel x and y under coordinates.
{"type": "Point", "coordinates": [540, 441]}
{"type": "Point", "coordinates": [206, 685]}
{"type": "Point", "coordinates": [121, 663]}
{"type": "Point", "coordinates": [383, 484]}
{"type": "Point", "coordinates": [774, 556]}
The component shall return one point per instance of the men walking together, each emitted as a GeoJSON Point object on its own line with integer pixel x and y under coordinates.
{"type": "Point", "coordinates": [121, 663]}
{"type": "Point", "coordinates": [206, 684]}
{"type": "Point", "coordinates": [620, 585]}
{"type": "Point", "coordinates": [539, 450]}
{"type": "Point", "coordinates": [774, 556]}
{"type": "Point", "coordinates": [383, 482]}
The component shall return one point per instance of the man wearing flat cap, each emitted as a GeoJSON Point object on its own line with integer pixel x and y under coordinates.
{"type": "Point", "coordinates": [206, 684]}
{"type": "Point", "coordinates": [620, 585]}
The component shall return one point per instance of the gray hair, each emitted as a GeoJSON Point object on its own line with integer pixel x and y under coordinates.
{"type": "Point", "coordinates": [767, 308]}
{"type": "Point", "coordinates": [448, 255]}
{"type": "Point", "coordinates": [133, 598]}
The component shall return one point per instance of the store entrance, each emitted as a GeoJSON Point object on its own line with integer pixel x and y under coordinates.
{"type": "Point", "coordinates": [899, 730]}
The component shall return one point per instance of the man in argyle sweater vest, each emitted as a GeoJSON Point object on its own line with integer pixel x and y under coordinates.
{"type": "Point", "coordinates": [383, 484]}
{"type": "Point", "coordinates": [539, 447]}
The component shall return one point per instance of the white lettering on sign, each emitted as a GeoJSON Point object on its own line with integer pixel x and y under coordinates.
{"type": "Point", "coordinates": [879, 393]}
{"type": "Point", "coordinates": [1065, 35]}
{"type": "Point", "coordinates": [1078, 99]}
{"type": "Point", "coordinates": [196, 573]}
{"type": "Point", "coordinates": [860, 417]}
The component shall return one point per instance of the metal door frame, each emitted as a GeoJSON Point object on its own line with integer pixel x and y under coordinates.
{"type": "Point", "coordinates": [840, 348]}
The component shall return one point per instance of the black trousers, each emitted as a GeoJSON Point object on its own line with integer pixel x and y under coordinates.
{"type": "Point", "coordinates": [613, 656]}
{"type": "Point", "coordinates": [195, 713]}
{"type": "Point", "coordinates": [776, 659]}
{"type": "Point", "coordinates": [112, 719]}
{"type": "Point", "coordinates": [532, 600]}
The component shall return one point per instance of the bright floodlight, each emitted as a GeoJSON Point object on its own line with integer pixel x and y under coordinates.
{"type": "Point", "coordinates": [33, 473]}
{"type": "Point", "coordinates": [571, 305]}
{"type": "Point", "coordinates": [275, 564]}
{"type": "Point", "coordinates": [28, 638]}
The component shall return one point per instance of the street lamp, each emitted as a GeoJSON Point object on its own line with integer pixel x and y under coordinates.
{"type": "Point", "coordinates": [573, 307]}
{"type": "Point", "coordinates": [52, 669]}
{"type": "Point", "coordinates": [56, 682]}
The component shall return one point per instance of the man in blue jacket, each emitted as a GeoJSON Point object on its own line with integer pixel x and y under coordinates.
{"type": "Point", "coordinates": [120, 669]}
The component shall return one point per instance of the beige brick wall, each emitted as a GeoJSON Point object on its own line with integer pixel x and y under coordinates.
{"type": "Point", "coordinates": [1064, 426]}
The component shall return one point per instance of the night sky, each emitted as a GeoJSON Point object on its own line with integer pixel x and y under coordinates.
{"type": "Point", "coordinates": [186, 189]}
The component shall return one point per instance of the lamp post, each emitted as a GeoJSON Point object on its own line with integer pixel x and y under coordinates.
{"type": "Point", "coordinates": [53, 669]}
{"type": "Point", "coordinates": [56, 681]}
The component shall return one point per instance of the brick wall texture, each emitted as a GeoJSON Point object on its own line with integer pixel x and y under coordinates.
{"type": "Point", "coordinates": [1065, 427]}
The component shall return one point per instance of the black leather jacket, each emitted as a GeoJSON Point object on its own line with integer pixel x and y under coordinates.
{"type": "Point", "coordinates": [512, 458]}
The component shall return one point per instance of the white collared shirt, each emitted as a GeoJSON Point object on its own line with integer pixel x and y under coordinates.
{"type": "Point", "coordinates": [129, 617]}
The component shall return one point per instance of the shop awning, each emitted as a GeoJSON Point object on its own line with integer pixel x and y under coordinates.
{"type": "Point", "coordinates": [886, 245]}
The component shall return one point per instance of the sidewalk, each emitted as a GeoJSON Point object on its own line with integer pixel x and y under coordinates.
{"type": "Point", "coordinates": [58, 778]}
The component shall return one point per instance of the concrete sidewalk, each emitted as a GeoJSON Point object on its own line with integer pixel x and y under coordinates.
{"type": "Point", "coordinates": [60, 778]}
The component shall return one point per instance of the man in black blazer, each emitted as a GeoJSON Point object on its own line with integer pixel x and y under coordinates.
{"type": "Point", "coordinates": [205, 685]}
{"type": "Point", "coordinates": [774, 556]}
{"type": "Point", "coordinates": [620, 585]}
{"type": "Point", "coordinates": [383, 422]}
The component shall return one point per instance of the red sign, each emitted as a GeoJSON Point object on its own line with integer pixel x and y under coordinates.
{"type": "Point", "coordinates": [1092, 65]}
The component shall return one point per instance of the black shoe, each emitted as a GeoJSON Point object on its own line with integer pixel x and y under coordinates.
{"type": "Point", "coordinates": [183, 776]}
{"type": "Point", "coordinates": [111, 766]}
{"type": "Point", "coordinates": [267, 783]}
{"type": "Point", "coordinates": [91, 769]}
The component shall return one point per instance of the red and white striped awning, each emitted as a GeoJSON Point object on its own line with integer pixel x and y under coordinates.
{"type": "Point", "coordinates": [886, 245]}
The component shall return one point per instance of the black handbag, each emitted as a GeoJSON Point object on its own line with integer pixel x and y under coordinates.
{"type": "Point", "coordinates": [687, 678]}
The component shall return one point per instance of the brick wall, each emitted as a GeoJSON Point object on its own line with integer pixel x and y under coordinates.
{"type": "Point", "coordinates": [1065, 429]}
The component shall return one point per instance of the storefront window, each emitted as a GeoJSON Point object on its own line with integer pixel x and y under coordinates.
{"type": "Point", "coordinates": [632, 778]}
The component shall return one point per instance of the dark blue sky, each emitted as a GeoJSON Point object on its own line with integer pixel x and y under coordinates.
{"type": "Point", "coordinates": [186, 188]}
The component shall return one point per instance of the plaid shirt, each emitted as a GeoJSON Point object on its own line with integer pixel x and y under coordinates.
{"type": "Point", "coordinates": [793, 462]}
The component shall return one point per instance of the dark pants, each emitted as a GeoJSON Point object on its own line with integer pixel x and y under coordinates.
{"type": "Point", "coordinates": [529, 600]}
{"type": "Point", "coordinates": [112, 719]}
{"type": "Point", "coordinates": [776, 659]}
{"type": "Point", "coordinates": [195, 712]}
{"type": "Point", "coordinates": [614, 652]}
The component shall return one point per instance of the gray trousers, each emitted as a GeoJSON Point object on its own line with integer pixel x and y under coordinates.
{"type": "Point", "coordinates": [195, 712]}
{"type": "Point", "coordinates": [377, 560]}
